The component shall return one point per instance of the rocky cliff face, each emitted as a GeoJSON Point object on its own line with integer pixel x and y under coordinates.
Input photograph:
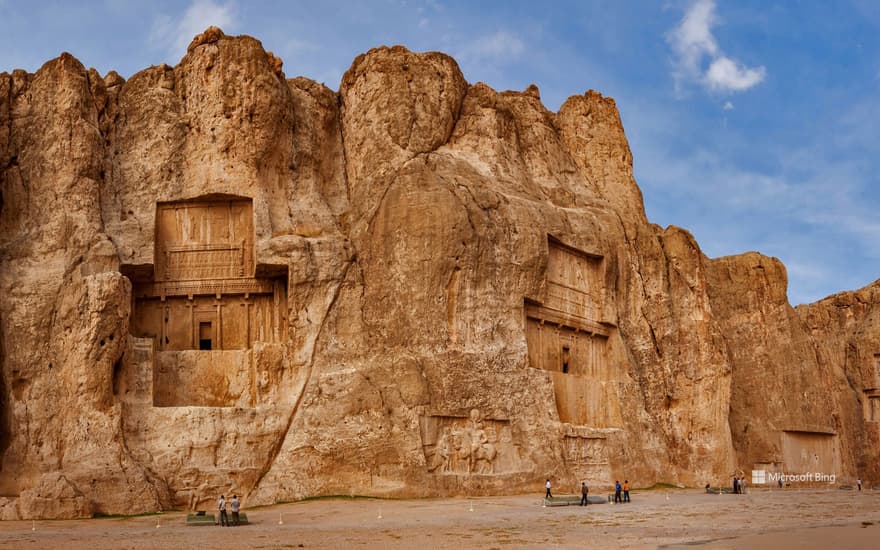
{"type": "Point", "coordinates": [845, 331]}
{"type": "Point", "coordinates": [214, 278]}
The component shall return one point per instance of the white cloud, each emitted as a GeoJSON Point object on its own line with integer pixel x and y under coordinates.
{"type": "Point", "coordinates": [692, 39]}
{"type": "Point", "coordinates": [728, 106]}
{"type": "Point", "coordinates": [693, 43]}
{"type": "Point", "coordinates": [174, 34]}
{"type": "Point", "coordinates": [726, 74]}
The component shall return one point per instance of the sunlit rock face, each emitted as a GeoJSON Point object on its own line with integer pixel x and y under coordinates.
{"type": "Point", "coordinates": [216, 279]}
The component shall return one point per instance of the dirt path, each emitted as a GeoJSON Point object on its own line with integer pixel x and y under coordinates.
{"type": "Point", "coordinates": [761, 519]}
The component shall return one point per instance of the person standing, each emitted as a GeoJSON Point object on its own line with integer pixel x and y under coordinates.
{"type": "Point", "coordinates": [617, 489]}
{"type": "Point", "coordinates": [859, 483]}
{"type": "Point", "coordinates": [584, 494]}
{"type": "Point", "coordinates": [547, 486]}
{"type": "Point", "coordinates": [735, 485]}
{"type": "Point", "coordinates": [626, 490]}
{"type": "Point", "coordinates": [221, 507]}
{"type": "Point", "coordinates": [236, 505]}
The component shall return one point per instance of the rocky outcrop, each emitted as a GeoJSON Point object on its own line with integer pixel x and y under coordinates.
{"type": "Point", "coordinates": [779, 380]}
{"type": "Point", "coordinates": [214, 278]}
{"type": "Point", "coordinates": [54, 497]}
{"type": "Point", "coordinates": [844, 333]}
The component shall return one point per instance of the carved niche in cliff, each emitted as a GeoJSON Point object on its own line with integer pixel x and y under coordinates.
{"type": "Point", "coordinates": [588, 451]}
{"type": "Point", "coordinates": [457, 445]}
{"type": "Point", "coordinates": [204, 309]}
{"type": "Point", "coordinates": [876, 370]}
{"type": "Point", "coordinates": [810, 452]}
{"type": "Point", "coordinates": [566, 335]}
{"type": "Point", "coordinates": [872, 406]}
{"type": "Point", "coordinates": [871, 390]}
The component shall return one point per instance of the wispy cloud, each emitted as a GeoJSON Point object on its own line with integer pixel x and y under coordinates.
{"type": "Point", "coordinates": [500, 45]}
{"type": "Point", "coordinates": [490, 55]}
{"type": "Point", "coordinates": [173, 33]}
{"type": "Point", "coordinates": [692, 39]}
{"type": "Point", "coordinates": [805, 192]}
{"type": "Point", "coordinates": [295, 48]}
{"type": "Point", "coordinates": [694, 46]}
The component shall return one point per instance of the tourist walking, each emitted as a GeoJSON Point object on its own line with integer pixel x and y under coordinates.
{"type": "Point", "coordinates": [617, 489]}
{"type": "Point", "coordinates": [547, 486]}
{"type": "Point", "coordinates": [221, 506]}
{"type": "Point", "coordinates": [859, 483]}
{"type": "Point", "coordinates": [584, 492]}
{"type": "Point", "coordinates": [626, 490]}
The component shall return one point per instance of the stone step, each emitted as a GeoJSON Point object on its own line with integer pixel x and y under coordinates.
{"type": "Point", "coordinates": [212, 519]}
{"type": "Point", "coordinates": [571, 500]}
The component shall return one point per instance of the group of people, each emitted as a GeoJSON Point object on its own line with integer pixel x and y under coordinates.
{"type": "Point", "coordinates": [235, 504]}
{"type": "Point", "coordinates": [739, 485]}
{"type": "Point", "coordinates": [621, 492]}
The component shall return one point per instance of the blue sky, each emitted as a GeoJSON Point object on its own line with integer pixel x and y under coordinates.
{"type": "Point", "coordinates": [753, 124]}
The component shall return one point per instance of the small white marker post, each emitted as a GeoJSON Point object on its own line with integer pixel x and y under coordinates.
{"type": "Point", "coordinates": [34, 525]}
{"type": "Point", "coordinates": [157, 523]}
{"type": "Point", "coordinates": [280, 520]}
{"type": "Point", "coordinates": [472, 507]}
{"type": "Point", "coordinates": [380, 514]}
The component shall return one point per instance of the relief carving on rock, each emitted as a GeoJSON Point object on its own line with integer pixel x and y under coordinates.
{"type": "Point", "coordinates": [590, 452]}
{"type": "Point", "coordinates": [585, 451]}
{"type": "Point", "coordinates": [456, 445]}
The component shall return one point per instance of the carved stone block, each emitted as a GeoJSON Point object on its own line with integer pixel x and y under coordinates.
{"type": "Point", "coordinates": [810, 452]}
{"type": "Point", "coordinates": [565, 335]}
{"type": "Point", "coordinates": [583, 451]}
{"type": "Point", "coordinates": [470, 445]}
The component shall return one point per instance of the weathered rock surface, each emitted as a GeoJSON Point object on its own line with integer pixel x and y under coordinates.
{"type": "Point", "coordinates": [845, 331]}
{"type": "Point", "coordinates": [214, 278]}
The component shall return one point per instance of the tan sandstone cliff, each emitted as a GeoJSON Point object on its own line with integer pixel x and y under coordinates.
{"type": "Point", "coordinates": [214, 278]}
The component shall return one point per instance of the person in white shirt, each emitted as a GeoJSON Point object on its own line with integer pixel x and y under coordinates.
{"type": "Point", "coordinates": [236, 505]}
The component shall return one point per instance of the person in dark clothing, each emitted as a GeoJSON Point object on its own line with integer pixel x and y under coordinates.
{"type": "Point", "coordinates": [547, 486]}
{"type": "Point", "coordinates": [221, 507]}
{"type": "Point", "coordinates": [617, 489]}
{"type": "Point", "coordinates": [584, 492]}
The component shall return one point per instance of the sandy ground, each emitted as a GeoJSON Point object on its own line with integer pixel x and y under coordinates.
{"type": "Point", "coordinates": [655, 519]}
